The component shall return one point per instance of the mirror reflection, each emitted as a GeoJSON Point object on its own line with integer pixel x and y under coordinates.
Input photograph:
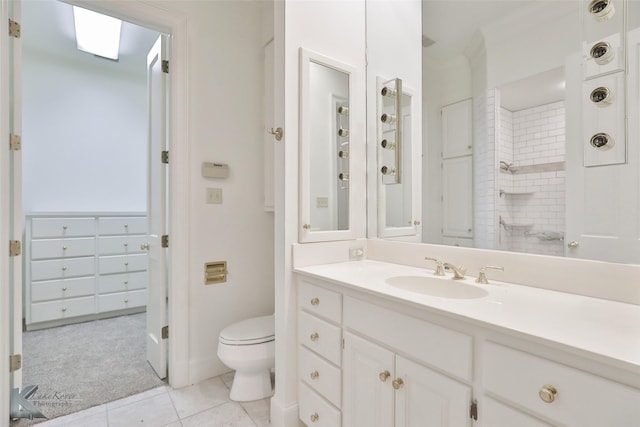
{"type": "Point", "coordinates": [328, 148]}
{"type": "Point", "coordinates": [525, 140]}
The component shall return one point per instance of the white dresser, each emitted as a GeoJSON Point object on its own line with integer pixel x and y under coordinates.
{"type": "Point", "coordinates": [82, 266]}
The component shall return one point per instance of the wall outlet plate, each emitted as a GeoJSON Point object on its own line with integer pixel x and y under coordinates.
{"type": "Point", "coordinates": [214, 196]}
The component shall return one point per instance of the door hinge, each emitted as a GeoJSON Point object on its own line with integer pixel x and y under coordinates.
{"type": "Point", "coordinates": [473, 410]}
{"type": "Point", "coordinates": [165, 241]}
{"type": "Point", "coordinates": [14, 29]}
{"type": "Point", "coordinates": [15, 142]}
{"type": "Point", "coordinates": [165, 66]}
{"type": "Point", "coordinates": [15, 247]}
{"type": "Point", "coordinates": [164, 157]}
{"type": "Point", "coordinates": [15, 362]}
{"type": "Point", "coordinates": [165, 332]}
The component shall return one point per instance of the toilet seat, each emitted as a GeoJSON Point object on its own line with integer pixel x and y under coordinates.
{"type": "Point", "coordinates": [252, 331]}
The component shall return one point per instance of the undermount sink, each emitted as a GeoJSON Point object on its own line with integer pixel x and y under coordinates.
{"type": "Point", "coordinates": [443, 288]}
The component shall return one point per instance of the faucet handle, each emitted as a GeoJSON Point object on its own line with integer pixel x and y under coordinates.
{"type": "Point", "coordinates": [482, 277]}
{"type": "Point", "coordinates": [439, 266]}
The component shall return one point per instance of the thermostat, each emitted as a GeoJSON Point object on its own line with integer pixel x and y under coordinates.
{"type": "Point", "coordinates": [215, 170]}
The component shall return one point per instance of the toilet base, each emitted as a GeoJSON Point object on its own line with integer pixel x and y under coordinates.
{"type": "Point", "coordinates": [251, 386]}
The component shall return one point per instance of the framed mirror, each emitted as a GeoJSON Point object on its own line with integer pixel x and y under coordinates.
{"type": "Point", "coordinates": [554, 168]}
{"type": "Point", "coordinates": [326, 201]}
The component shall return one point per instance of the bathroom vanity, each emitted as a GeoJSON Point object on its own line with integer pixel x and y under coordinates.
{"type": "Point", "coordinates": [383, 344]}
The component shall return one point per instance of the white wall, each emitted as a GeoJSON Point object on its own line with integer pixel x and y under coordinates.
{"type": "Point", "coordinates": [84, 133]}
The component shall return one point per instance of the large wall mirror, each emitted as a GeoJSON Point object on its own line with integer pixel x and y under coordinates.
{"type": "Point", "coordinates": [325, 135]}
{"type": "Point", "coordinates": [524, 127]}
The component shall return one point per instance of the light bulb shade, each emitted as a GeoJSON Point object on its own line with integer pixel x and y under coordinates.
{"type": "Point", "coordinates": [97, 33]}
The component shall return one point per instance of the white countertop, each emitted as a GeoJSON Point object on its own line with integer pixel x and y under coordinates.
{"type": "Point", "coordinates": [607, 329]}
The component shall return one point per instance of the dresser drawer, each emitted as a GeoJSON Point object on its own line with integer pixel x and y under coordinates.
{"type": "Point", "coordinates": [314, 410]}
{"type": "Point", "coordinates": [62, 227]}
{"type": "Point", "coordinates": [320, 301]}
{"type": "Point", "coordinates": [582, 399]}
{"type": "Point", "coordinates": [62, 309]}
{"type": "Point", "coordinates": [320, 375]}
{"type": "Point", "coordinates": [120, 244]}
{"type": "Point", "coordinates": [122, 263]}
{"type": "Point", "coordinates": [62, 268]}
{"type": "Point", "coordinates": [122, 282]}
{"type": "Point", "coordinates": [122, 300]}
{"type": "Point", "coordinates": [122, 225]}
{"type": "Point", "coordinates": [59, 289]}
{"type": "Point", "coordinates": [63, 248]}
{"type": "Point", "coordinates": [431, 344]}
{"type": "Point", "coordinates": [320, 336]}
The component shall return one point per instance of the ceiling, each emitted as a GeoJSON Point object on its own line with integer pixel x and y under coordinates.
{"type": "Point", "coordinates": [47, 26]}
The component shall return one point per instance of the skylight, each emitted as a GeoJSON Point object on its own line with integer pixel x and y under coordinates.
{"type": "Point", "coordinates": [97, 33]}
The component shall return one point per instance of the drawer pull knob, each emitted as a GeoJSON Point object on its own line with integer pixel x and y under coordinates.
{"type": "Point", "coordinates": [314, 417]}
{"type": "Point", "coordinates": [314, 336]}
{"type": "Point", "coordinates": [397, 383]}
{"type": "Point", "coordinates": [126, 244]}
{"type": "Point", "coordinates": [126, 226]}
{"type": "Point", "coordinates": [64, 309]}
{"type": "Point", "coordinates": [384, 376]}
{"type": "Point", "coordinates": [548, 393]}
{"type": "Point", "coordinates": [315, 301]}
{"type": "Point", "coordinates": [64, 227]}
{"type": "Point", "coordinates": [144, 246]}
{"type": "Point", "coordinates": [126, 300]}
{"type": "Point", "coordinates": [126, 282]}
{"type": "Point", "coordinates": [126, 263]}
{"type": "Point", "coordinates": [314, 375]}
{"type": "Point", "coordinates": [64, 289]}
{"type": "Point", "coordinates": [64, 248]}
{"type": "Point", "coordinates": [64, 268]}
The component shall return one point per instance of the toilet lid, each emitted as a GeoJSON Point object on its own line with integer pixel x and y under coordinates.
{"type": "Point", "coordinates": [251, 331]}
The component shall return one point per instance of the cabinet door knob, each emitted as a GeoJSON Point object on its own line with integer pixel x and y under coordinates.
{"type": "Point", "coordinates": [64, 248]}
{"type": "Point", "coordinates": [314, 336]}
{"type": "Point", "coordinates": [144, 246]}
{"type": "Point", "coordinates": [314, 417]}
{"type": "Point", "coordinates": [126, 263]}
{"type": "Point", "coordinates": [314, 375]}
{"type": "Point", "coordinates": [548, 393]}
{"type": "Point", "coordinates": [126, 300]}
{"type": "Point", "coordinates": [64, 268]}
{"type": "Point", "coordinates": [126, 244]}
{"type": "Point", "coordinates": [64, 289]}
{"type": "Point", "coordinates": [64, 227]}
{"type": "Point", "coordinates": [126, 282]}
{"type": "Point", "coordinates": [64, 309]}
{"type": "Point", "coordinates": [573, 244]}
{"type": "Point", "coordinates": [384, 376]}
{"type": "Point", "coordinates": [315, 301]}
{"type": "Point", "coordinates": [397, 383]}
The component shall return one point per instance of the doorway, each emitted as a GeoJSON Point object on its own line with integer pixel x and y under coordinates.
{"type": "Point", "coordinates": [85, 190]}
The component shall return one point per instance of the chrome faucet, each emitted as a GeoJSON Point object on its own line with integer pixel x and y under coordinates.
{"type": "Point", "coordinates": [458, 272]}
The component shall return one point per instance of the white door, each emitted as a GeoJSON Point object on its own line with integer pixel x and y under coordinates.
{"type": "Point", "coordinates": [156, 209]}
{"type": "Point", "coordinates": [429, 399]}
{"type": "Point", "coordinates": [367, 376]}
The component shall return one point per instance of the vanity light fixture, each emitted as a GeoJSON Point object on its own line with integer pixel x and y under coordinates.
{"type": "Point", "coordinates": [388, 119]}
{"type": "Point", "coordinates": [343, 110]}
{"type": "Point", "coordinates": [343, 176]}
{"type": "Point", "coordinates": [602, 53]}
{"type": "Point", "coordinates": [387, 171]}
{"type": "Point", "coordinates": [389, 145]}
{"type": "Point", "coordinates": [343, 154]}
{"type": "Point", "coordinates": [343, 132]}
{"type": "Point", "coordinates": [602, 141]}
{"type": "Point", "coordinates": [97, 33]}
{"type": "Point", "coordinates": [387, 91]}
{"type": "Point", "coordinates": [602, 10]}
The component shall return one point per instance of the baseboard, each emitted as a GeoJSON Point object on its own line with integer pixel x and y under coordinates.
{"type": "Point", "coordinates": [284, 416]}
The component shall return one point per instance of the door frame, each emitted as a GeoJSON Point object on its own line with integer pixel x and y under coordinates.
{"type": "Point", "coordinates": [164, 21]}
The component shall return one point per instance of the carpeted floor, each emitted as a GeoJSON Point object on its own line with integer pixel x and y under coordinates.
{"type": "Point", "coordinates": [86, 364]}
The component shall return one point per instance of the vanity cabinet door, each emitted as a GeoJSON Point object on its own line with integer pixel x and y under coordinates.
{"type": "Point", "coordinates": [367, 377]}
{"type": "Point", "coordinates": [427, 398]}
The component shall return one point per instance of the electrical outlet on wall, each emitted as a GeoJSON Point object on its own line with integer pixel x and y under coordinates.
{"type": "Point", "coordinates": [214, 196]}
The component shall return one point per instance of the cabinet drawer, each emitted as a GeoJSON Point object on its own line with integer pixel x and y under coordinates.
{"type": "Point", "coordinates": [582, 399]}
{"type": "Point", "coordinates": [120, 244]}
{"type": "Point", "coordinates": [122, 282]}
{"type": "Point", "coordinates": [63, 248]}
{"type": "Point", "coordinates": [59, 289]}
{"type": "Point", "coordinates": [434, 345]}
{"type": "Point", "coordinates": [122, 300]}
{"type": "Point", "coordinates": [62, 227]}
{"type": "Point", "coordinates": [320, 375]}
{"type": "Point", "coordinates": [315, 411]}
{"type": "Point", "coordinates": [122, 263]}
{"type": "Point", "coordinates": [122, 225]}
{"type": "Point", "coordinates": [62, 268]}
{"type": "Point", "coordinates": [320, 336]}
{"type": "Point", "coordinates": [498, 414]}
{"type": "Point", "coordinates": [320, 301]}
{"type": "Point", "coordinates": [62, 309]}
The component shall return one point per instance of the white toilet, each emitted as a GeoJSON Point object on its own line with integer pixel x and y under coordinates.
{"type": "Point", "coordinates": [249, 347]}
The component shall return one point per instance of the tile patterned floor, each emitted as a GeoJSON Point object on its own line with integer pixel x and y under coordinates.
{"type": "Point", "coordinates": [201, 405]}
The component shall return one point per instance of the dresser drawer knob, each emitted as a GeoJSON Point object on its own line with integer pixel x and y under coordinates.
{"type": "Point", "coordinates": [397, 383]}
{"type": "Point", "coordinates": [314, 336]}
{"type": "Point", "coordinates": [126, 300]}
{"type": "Point", "coordinates": [314, 375]}
{"type": "Point", "coordinates": [64, 268]}
{"type": "Point", "coordinates": [126, 226]}
{"type": "Point", "coordinates": [64, 248]}
{"type": "Point", "coordinates": [126, 263]}
{"type": "Point", "coordinates": [384, 376]}
{"type": "Point", "coordinates": [548, 393]}
{"type": "Point", "coordinates": [314, 417]}
{"type": "Point", "coordinates": [315, 301]}
{"type": "Point", "coordinates": [64, 227]}
{"type": "Point", "coordinates": [126, 244]}
{"type": "Point", "coordinates": [64, 309]}
{"type": "Point", "coordinates": [64, 289]}
{"type": "Point", "coordinates": [126, 282]}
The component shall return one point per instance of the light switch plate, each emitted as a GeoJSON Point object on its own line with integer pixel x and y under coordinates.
{"type": "Point", "coordinates": [214, 196]}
